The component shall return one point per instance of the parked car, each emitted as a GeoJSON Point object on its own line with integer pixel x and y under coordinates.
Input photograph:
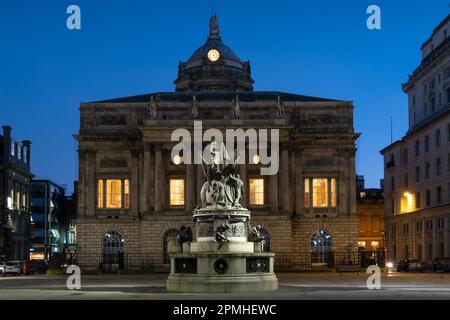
{"type": "Point", "coordinates": [38, 266]}
{"type": "Point", "coordinates": [10, 268]}
{"type": "Point", "coordinates": [410, 265]}
{"type": "Point", "coordinates": [441, 264]}
{"type": "Point", "coordinates": [23, 265]}
{"type": "Point", "coordinates": [2, 267]}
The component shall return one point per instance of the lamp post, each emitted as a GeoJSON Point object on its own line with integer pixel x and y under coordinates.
{"type": "Point", "coordinates": [382, 245]}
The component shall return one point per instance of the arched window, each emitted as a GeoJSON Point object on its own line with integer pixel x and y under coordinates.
{"type": "Point", "coordinates": [266, 241]}
{"type": "Point", "coordinates": [321, 247]}
{"type": "Point", "coordinates": [112, 245]}
{"type": "Point", "coordinates": [170, 234]}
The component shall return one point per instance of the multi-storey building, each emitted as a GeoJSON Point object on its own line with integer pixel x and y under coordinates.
{"type": "Point", "coordinates": [47, 220]}
{"type": "Point", "coordinates": [133, 196]}
{"type": "Point", "coordinates": [417, 167]}
{"type": "Point", "coordinates": [15, 176]}
{"type": "Point", "coordinates": [370, 211]}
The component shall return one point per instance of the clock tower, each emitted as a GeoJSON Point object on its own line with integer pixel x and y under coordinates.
{"type": "Point", "coordinates": [214, 67]}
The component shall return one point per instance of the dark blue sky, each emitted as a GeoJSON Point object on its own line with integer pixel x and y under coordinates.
{"type": "Point", "coordinates": [320, 48]}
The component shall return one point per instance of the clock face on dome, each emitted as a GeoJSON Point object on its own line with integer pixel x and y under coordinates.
{"type": "Point", "coordinates": [213, 55]}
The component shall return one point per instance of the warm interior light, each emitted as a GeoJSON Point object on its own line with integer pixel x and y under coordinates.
{"type": "Point", "coordinates": [407, 202]}
{"type": "Point", "coordinates": [255, 159]}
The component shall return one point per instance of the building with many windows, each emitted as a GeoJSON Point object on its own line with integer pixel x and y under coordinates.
{"type": "Point", "coordinates": [15, 176]}
{"type": "Point", "coordinates": [370, 211]}
{"type": "Point", "coordinates": [417, 167]}
{"type": "Point", "coordinates": [46, 220]}
{"type": "Point", "coordinates": [133, 197]}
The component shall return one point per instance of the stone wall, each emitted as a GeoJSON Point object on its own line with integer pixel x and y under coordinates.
{"type": "Point", "coordinates": [143, 240]}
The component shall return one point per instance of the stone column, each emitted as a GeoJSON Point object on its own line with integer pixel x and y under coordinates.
{"type": "Point", "coordinates": [446, 239]}
{"type": "Point", "coordinates": [190, 187]}
{"type": "Point", "coordinates": [424, 241]}
{"type": "Point", "coordinates": [145, 195]}
{"type": "Point", "coordinates": [90, 188]}
{"type": "Point", "coordinates": [299, 184]}
{"type": "Point", "coordinates": [397, 242]}
{"type": "Point", "coordinates": [446, 244]}
{"type": "Point", "coordinates": [151, 180]}
{"type": "Point", "coordinates": [81, 182]}
{"type": "Point", "coordinates": [284, 177]}
{"type": "Point", "coordinates": [158, 177]}
{"type": "Point", "coordinates": [243, 175]}
{"type": "Point", "coordinates": [133, 185]}
{"type": "Point", "coordinates": [274, 192]}
{"type": "Point", "coordinates": [414, 245]}
{"type": "Point", "coordinates": [351, 182]}
{"type": "Point", "coordinates": [435, 249]}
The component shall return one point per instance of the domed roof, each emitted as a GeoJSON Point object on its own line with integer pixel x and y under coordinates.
{"type": "Point", "coordinates": [226, 72]}
{"type": "Point", "coordinates": [228, 56]}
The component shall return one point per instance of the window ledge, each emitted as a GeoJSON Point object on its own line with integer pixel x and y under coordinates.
{"type": "Point", "coordinates": [310, 211]}
{"type": "Point", "coordinates": [112, 212]}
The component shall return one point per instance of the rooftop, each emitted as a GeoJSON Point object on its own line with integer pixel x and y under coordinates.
{"type": "Point", "coordinates": [250, 96]}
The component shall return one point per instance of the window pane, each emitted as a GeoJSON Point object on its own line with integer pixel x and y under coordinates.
{"type": "Point", "coordinates": [307, 194]}
{"type": "Point", "coordinates": [256, 191]}
{"type": "Point", "coordinates": [126, 191]}
{"type": "Point", "coordinates": [320, 192]}
{"type": "Point", "coordinates": [113, 193]}
{"type": "Point", "coordinates": [176, 192]}
{"type": "Point", "coordinates": [100, 194]}
{"type": "Point", "coordinates": [333, 192]}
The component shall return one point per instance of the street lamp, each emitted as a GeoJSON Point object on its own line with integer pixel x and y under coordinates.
{"type": "Point", "coordinates": [383, 244]}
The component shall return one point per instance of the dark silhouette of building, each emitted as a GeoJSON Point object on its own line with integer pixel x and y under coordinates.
{"type": "Point", "coordinates": [15, 176]}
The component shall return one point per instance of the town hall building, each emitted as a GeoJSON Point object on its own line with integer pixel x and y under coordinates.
{"type": "Point", "coordinates": [133, 197]}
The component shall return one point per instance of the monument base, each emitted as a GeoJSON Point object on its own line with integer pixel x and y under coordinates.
{"type": "Point", "coordinates": [222, 273]}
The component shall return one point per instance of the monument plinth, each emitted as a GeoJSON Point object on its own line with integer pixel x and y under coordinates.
{"type": "Point", "coordinates": [226, 255]}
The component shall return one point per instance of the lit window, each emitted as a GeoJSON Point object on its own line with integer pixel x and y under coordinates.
{"type": "Point", "coordinates": [323, 193]}
{"type": "Point", "coordinates": [307, 194]}
{"type": "Point", "coordinates": [320, 192]}
{"type": "Point", "coordinates": [24, 199]}
{"type": "Point", "coordinates": [100, 194]}
{"type": "Point", "coordinates": [126, 194]}
{"type": "Point", "coordinates": [176, 192]}
{"type": "Point", "coordinates": [333, 192]}
{"type": "Point", "coordinates": [408, 202]}
{"type": "Point", "coordinates": [256, 191]}
{"type": "Point", "coordinates": [18, 199]}
{"type": "Point", "coordinates": [113, 193]}
{"type": "Point", "coordinates": [361, 244]}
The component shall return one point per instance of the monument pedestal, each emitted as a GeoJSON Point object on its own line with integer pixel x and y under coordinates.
{"type": "Point", "coordinates": [210, 265]}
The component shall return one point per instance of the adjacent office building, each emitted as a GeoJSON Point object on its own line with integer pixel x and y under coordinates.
{"type": "Point", "coordinates": [47, 220]}
{"type": "Point", "coordinates": [417, 167]}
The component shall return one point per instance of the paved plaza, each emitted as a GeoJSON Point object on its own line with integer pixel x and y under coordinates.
{"type": "Point", "coordinates": [302, 286]}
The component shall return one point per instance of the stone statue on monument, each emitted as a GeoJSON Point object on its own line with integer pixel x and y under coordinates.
{"type": "Point", "coordinates": [223, 188]}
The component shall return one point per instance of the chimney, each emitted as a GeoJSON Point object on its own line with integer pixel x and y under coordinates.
{"type": "Point", "coordinates": [27, 144]}
{"type": "Point", "coordinates": [6, 142]}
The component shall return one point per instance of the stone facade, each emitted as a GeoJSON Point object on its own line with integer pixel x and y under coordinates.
{"type": "Point", "coordinates": [15, 176]}
{"type": "Point", "coordinates": [370, 210]}
{"type": "Point", "coordinates": [417, 167]}
{"type": "Point", "coordinates": [128, 139]}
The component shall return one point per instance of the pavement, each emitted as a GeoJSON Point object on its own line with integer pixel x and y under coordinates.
{"type": "Point", "coordinates": [292, 286]}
